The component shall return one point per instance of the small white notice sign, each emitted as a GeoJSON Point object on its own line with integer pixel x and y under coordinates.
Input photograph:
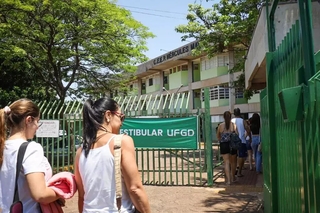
{"type": "Point", "coordinates": [48, 128]}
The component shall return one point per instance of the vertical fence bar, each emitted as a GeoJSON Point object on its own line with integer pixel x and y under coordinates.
{"type": "Point", "coordinates": [208, 137]}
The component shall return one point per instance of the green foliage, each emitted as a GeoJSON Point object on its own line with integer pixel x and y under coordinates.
{"type": "Point", "coordinates": [74, 46]}
{"type": "Point", "coordinates": [228, 25]}
{"type": "Point", "coordinates": [18, 81]}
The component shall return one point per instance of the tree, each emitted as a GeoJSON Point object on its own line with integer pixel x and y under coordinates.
{"type": "Point", "coordinates": [72, 45]}
{"type": "Point", "coordinates": [227, 25]}
{"type": "Point", "coordinates": [18, 81]}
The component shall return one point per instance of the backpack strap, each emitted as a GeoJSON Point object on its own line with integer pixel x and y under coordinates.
{"type": "Point", "coordinates": [117, 169]}
{"type": "Point", "coordinates": [21, 152]}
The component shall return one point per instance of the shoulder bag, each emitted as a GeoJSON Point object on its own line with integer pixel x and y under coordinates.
{"type": "Point", "coordinates": [17, 206]}
{"type": "Point", "coordinates": [117, 171]}
{"type": "Point", "coordinates": [235, 141]}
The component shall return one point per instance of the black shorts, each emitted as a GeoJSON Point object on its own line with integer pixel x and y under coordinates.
{"type": "Point", "coordinates": [225, 149]}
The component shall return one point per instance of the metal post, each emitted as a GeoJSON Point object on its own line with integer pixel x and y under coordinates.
{"type": "Point", "coordinates": [208, 138]}
{"type": "Point", "coordinates": [272, 131]}
{"type": "Point", "coordinates": [307, 39]}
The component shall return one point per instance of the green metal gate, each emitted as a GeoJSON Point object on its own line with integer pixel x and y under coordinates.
{"type": "Point", "coordinates": [172, 166]}
{"type": "Point", "coordinates": [290, 112]}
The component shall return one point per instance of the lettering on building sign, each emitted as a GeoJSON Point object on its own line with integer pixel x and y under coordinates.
{"type": "Point", "coordinates": [175, 53]}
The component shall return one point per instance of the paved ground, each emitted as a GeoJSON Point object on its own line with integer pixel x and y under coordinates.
{"type": "Point", "coordinates": [243, 196]}
{"type": "Point", "coordinates": [175, 199]}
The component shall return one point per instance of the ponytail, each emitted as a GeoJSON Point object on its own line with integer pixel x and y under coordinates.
{"type": "Point", "coordinates": [3, 133]}
{"type": "Point", "coordinates": [89, 127]}
{"type": "Point", "coordinates": [227, 119]}
{"type": "Point", "coordinates": [93, 119]}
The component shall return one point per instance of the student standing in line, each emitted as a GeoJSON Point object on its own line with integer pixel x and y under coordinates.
{"type": "Point", "coordinates": [229, 155]}
{"type": "Point", "coordinates": [21, 119]}
{"type": "Point", "coordinates": [242, 128]}
{"type": "Point", "coordinates": [94, 170]}
{"type": "Point", "coordinates": [255, 128]}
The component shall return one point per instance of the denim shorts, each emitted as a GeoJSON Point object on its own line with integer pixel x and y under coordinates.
{"type": "Point", "coordinates": [243, 152]}
{"type": "Point", "coordinates": [248, 145]}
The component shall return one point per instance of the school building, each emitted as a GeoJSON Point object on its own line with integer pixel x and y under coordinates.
{"type": "Point", "coordinates": [178, 71]}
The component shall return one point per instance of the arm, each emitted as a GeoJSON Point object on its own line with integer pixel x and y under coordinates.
{"type": "Point", "coordinates": [235, 129]}
{"type": "Point", "coordinates": [79, 181]}
{"type": "Point", "coordinates": [248, 130]}
{"type": "Point", "coordinates": [38, 189]}
{"type": "Point", "coordinates": [219, 133]}
{"type": "Point", "coordinates": [132, 177]}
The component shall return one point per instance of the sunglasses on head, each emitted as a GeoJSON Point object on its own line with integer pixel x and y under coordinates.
{"type": "Point", "coordinates": [120, 115]}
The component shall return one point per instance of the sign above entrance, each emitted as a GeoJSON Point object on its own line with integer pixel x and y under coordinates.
{"type": "Point", "coordinates": [175, 53]}
{"type": "Point", "coordinates": [178, 133]}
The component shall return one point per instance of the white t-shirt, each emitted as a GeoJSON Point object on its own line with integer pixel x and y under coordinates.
{"type": "Point", "coordinates": [240, 128]}
{"type": "Point", "coordinates": [33, 161]}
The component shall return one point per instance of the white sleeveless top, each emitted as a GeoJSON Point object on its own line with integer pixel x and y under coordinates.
{"type": "Point", "coordinates": [97, 173]}
{"type": "Point", "coordinates": [240, 128]}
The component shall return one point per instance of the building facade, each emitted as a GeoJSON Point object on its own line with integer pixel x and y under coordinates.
{"type": "Point", "coordinates": [178, 71]}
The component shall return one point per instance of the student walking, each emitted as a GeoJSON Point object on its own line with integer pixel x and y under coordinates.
{"type": "Point", "coordinates": [229, 155]}
{"type": "Point", "coordinates": [255, 128]}
{"type": "Point", "coordinates": [21, 119]}
{"type": "Point", "coordinates": [95, 169]}
{"type": "Point", "coordinates": [242, 128]}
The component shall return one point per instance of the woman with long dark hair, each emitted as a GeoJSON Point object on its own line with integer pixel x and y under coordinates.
{"type": "Point", "coordinates": [255, 129]}
{"type": "Point", "coordinates": [95, 173]}
{"type": "Point", "coordinates": [229, 156]}
{"type": "Point", "coordinates": [21, 120]}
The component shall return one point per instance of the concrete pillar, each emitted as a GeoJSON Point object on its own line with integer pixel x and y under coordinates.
{"type": "Point", "coordinates": [139, 86]}
{"type": "Point", "coordinates": [232, 93]}
{"type": "Point", "coordinates": [161, 82]}
{"type": "Point", "coordinates": [190, 78]}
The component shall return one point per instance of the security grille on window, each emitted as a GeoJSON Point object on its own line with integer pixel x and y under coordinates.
{"type": "Point", "coordinates": [184, 67]}
{"type": "Point", "coordinates": [217, 92]}
{"type": "Point", "coordinates": [143, 86]}
{"type": "Point", "coordinates": [223, 60]}
{"type": "Point", "coordinates": [150, 81]}
{"type": "Point", "coordinates": [196, 66]}
{"type": "Point", "coordinates": [239, 93]}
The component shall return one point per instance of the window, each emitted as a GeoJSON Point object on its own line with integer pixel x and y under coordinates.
{"type": "Point", "coordinates": [174, 69]}
{"type": "Point", "coordinates": [131, 87]}
{"type": "Point", "coordinates": [184, 67]}
{"type": "Point", "coordinates": [143, 86]}
{"type": "Point", "coordinates": [217, 92]}
{"type": "Point", "coordinates": [179, 68]}
{"type": "Point", "coordinates": [165, 79]}
{"type": "Point", "coordinates": [239, 93]}
{"type": "Point", "coordinates": [223, 60]}
{"type": "Point", "coordinates": [196, 67]}
{"type": "Point", "coordinates": [150, 81]}
{"type": "Point", "coordinates": [223, 92]}
{"type": "Point", "coordinates": [170, 71]}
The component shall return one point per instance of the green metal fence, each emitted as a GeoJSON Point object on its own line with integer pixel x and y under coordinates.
{"type": "Point", "coordinates": [290, 113]}
{"type": "Point", "coordinates": [157, 166]}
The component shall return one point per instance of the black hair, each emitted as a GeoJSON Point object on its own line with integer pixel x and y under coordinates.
{"type": "Point", "coordinates": [255, 120]}
{"type": "Point", "coordinates": [236, 112]}
{"type": "Point", "coordinates": [93, 118]}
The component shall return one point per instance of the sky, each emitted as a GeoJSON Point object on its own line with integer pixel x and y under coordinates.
{"type": "Point", "coordinates": [161, 17]}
